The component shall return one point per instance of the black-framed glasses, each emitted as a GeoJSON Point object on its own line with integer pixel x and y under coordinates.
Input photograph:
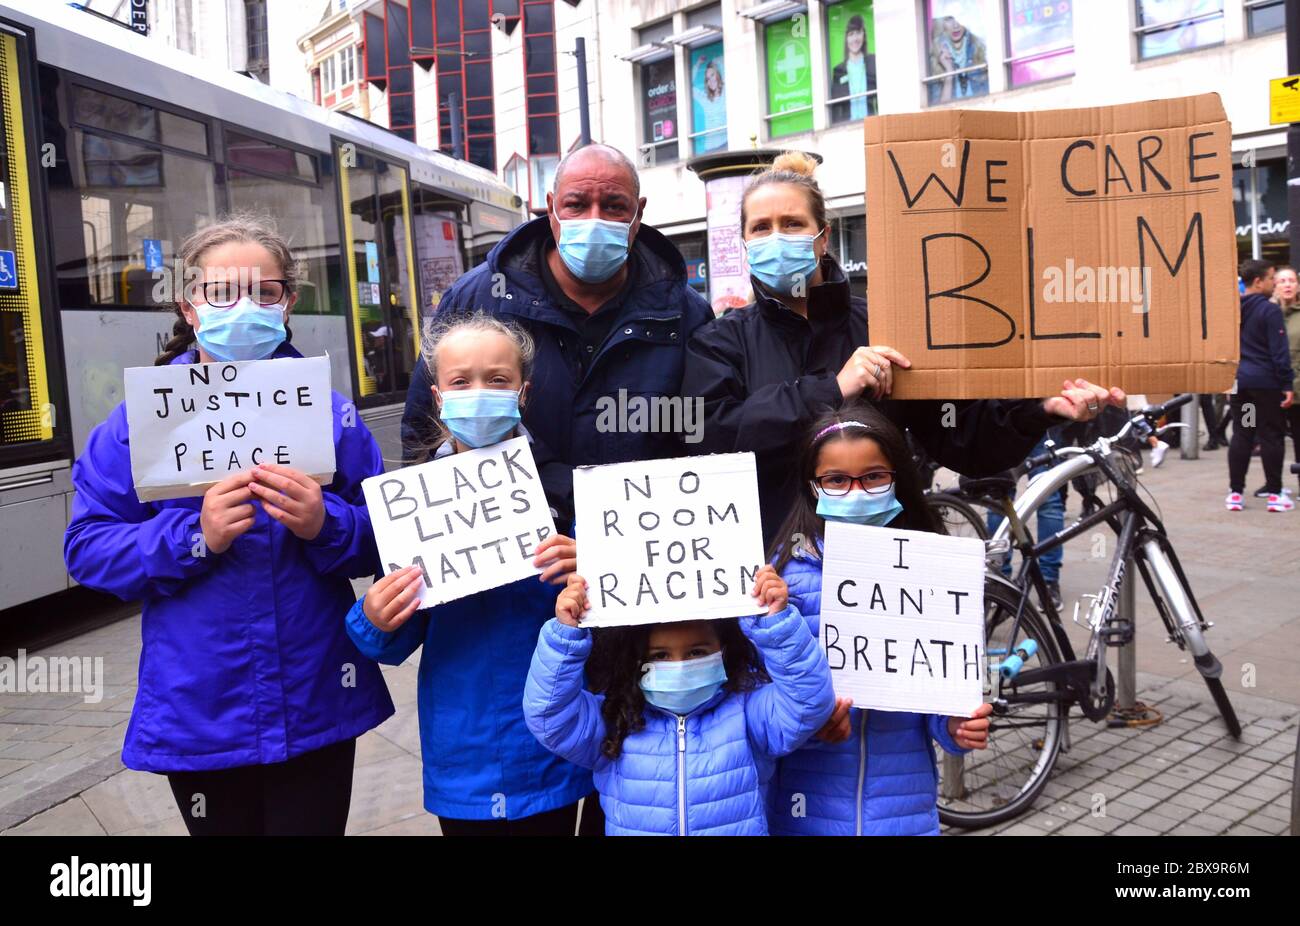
{"type": "Point", "coordinates": [873, 483]}
{"type": "Point", "coordinates": [222, 294]}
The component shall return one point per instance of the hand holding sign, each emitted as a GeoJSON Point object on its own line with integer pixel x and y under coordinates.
{"type": "Point", "coordinates": [290, 497]}
{"type": "Point", "coordinates": [573, 602]}
{"type": "Point", "coordinates": [557, 557]}
{"type": "Point", "coordinates": [226, 512]}
{"type": "Point", "coordinates": [771, 590]}
{"type": "Point", "coordinates": [392, 600]}
{"type": "Point", "coordinates": [870, 369]}
{"type": "Point", "coordinates": [971, 733]}
{"type": "Point", "coordinates": [1080, 400]}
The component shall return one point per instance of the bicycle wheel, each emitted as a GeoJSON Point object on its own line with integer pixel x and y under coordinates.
{"type": "Point", "coordinates": [956, 515]}
{"type": "Point", "coordinates": [996, 784]}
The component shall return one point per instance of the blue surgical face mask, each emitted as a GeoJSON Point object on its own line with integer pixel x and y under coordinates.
{"type": "Point", "coordinates": [859, 507]}
{"type": "Point", "coordinates": [593, 249]}
{"type": "Point", "coordinates": [681, 687]}
{"type": "Point", "coordinates": [782, 262]}
{"type": "Point", "coordinates": [479, 417]}
{"type": "Point", "coordinates": [245, 331]}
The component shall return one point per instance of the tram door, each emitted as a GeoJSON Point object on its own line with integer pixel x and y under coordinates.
{"type": "Point", "coordinates": [33, 443]}
{"type": "Point", "coordinates": [382, 287]}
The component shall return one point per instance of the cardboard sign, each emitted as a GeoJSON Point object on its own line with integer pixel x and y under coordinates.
{"type": "Point", "coordinates": [902, 619]}
{"type": "Point", "coordinates": [668, 540]}
{"type": "Point", "coordinates": [1010, 251]}
{"type": "Point", "coordinates": [471, 521]}
{"type": "Point", "coordinates": [192, 425]}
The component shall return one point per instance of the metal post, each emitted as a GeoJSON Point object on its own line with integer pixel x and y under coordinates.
{"type": "Point", "coordinates": [584, 110]}
{"type": "Point", "coordinates": [1126, 682]}
{"type": "Point", "coordinates": [1189, 439]}
{"type": "Point", "coordinates": [1293, 132]}
{"type": "Point", "coordinates": [457, 135]}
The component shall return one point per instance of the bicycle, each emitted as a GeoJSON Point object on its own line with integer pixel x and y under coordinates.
{"type": "Point", "coordinates": [1037, 677]}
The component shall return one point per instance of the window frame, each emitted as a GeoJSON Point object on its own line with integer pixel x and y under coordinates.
{"type": "Point", "coordinates": [1140, 31]}
{"type": "Point", "coordinates": [1248, 7]}
{"type": "Point", "coordinates": [69, 81]}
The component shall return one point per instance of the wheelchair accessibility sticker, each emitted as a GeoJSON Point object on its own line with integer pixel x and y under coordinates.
{"type": "Point", "coordinates": [8, 270]}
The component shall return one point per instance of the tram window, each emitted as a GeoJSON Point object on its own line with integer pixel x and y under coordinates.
{"type": "Point", "coordinates": [118, 216]}
{"type": "Point", "coordinates": [305, 217]}
{"type": "Point", "coordinates": [96, 110]}
{"type": "Point", "coordinates": [244, 151]}
{"type": "Point", "coordinates": [439, 253]}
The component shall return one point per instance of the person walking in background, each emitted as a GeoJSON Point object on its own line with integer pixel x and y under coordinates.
{"type": "Point", "coordinates": [1286, 296]}
{"type": "Point", "coordinates": [1265, 387]}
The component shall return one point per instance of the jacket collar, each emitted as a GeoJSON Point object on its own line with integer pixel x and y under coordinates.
{"type": "Point", "coordinates": [654, 259]}
{"type": "Point", "coordinates": [828, 302]}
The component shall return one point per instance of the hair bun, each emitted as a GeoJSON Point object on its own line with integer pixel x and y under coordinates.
{"type": "Point", "coordinates": [796, 162]}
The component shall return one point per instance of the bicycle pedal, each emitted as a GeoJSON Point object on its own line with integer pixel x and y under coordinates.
{"type": "Point", "coordinates": [1117, 633]}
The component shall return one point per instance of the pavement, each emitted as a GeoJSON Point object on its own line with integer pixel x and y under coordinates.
{"type": "Point", "coordinates": [60, 771]}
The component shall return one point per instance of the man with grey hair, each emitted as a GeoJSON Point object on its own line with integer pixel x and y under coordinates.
{"type": "Point", "coordinates": [605, 298]}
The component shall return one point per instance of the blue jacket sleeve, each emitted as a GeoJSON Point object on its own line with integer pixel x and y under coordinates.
{"type": "Point", "coordinates": [116, 544]}
{"type": "Point", "coordinates": [391, 649]}
{"type": "Point", "coordinates": [780, 716]}
{"type": "Point", "coordinates": [559, 711]}
{"type": "Point", "coordinates": [938, 727]}
{"type": "Point", "coordinates": [346, 543]}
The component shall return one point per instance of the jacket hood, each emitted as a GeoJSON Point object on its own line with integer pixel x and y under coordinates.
{"type": "Point", "coordinates": [516, 253]}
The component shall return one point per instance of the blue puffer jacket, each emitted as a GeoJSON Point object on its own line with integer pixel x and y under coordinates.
{"type": "Point", "coordinates": [480, 761]}
{"type": "Point", "coordinates": [702, 774]}
{"type": "Point", "coordinates": [644, 355]}
{"type": "Point", "coordinates": [244, 659]}
{"type": "Point", "coordinates": [881, 781]}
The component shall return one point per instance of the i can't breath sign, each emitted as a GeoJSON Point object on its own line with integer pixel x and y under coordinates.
{"type": "Point", "coordinates": [192, 425]}
{"type": "Point", "coordinates": [471, 521]}
{"type": "Point", "coordinates": [902, 618]}
{"type": "Point", "coordinates": [668, 540]}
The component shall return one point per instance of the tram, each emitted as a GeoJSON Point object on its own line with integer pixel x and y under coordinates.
{"type": "Point", "coordinates": [113, 149]}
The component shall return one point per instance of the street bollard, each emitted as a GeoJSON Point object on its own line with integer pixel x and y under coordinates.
{"type": "Point", "coordinates": [1189, 441]}
{"type": "Point", "coordinates": [1126, 683]}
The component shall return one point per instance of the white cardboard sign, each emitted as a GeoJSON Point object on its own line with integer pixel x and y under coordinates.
{"type": "Point", "coordinates": [902, 619]}
{"type": "Point", "coordinates": [193, 425]}
{"type": "Point", "coordinates": [668, 540]}
{"type": "Point", "coordinates": [471, 521]}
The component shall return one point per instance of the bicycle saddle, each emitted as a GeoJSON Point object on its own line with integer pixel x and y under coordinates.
{"type": "Point", "coordinates": [998, 486]}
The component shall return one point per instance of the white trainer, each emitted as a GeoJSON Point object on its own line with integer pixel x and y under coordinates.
{"type": "Point", "coordinates": [1281, 502]}
{"type": "Point", "coordinates": [1234, 502]}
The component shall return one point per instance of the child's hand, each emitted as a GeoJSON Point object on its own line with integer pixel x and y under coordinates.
{"type": "Point", "coordinates": [559, 554]}
{"type": "Point", "coordinates": [226, 512]}
{"type": "Point", "coordinates": [838, 728]}
{"type": "Point", "coordinates": [770, 589]}
{"type": "Point", "coordinates": [972, 733]}
{"type": "Point", "coordinates": [572, 603]}
{"type": "Point", "coordinates": [291, 497]}
{"type": "Point", "coordinates": [392, 600]}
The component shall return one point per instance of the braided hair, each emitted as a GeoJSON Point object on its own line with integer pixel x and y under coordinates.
{"type": "Point", "coordinates": [244, 228]}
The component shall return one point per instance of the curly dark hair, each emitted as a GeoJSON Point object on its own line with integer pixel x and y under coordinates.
{"type": "Point", "coordinates": [804, 521]}
{"type": "Point", "coordinates": [614, 670]}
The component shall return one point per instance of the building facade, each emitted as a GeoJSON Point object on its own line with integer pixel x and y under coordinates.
{"type": "Point", "coordinates": [786, 74]}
